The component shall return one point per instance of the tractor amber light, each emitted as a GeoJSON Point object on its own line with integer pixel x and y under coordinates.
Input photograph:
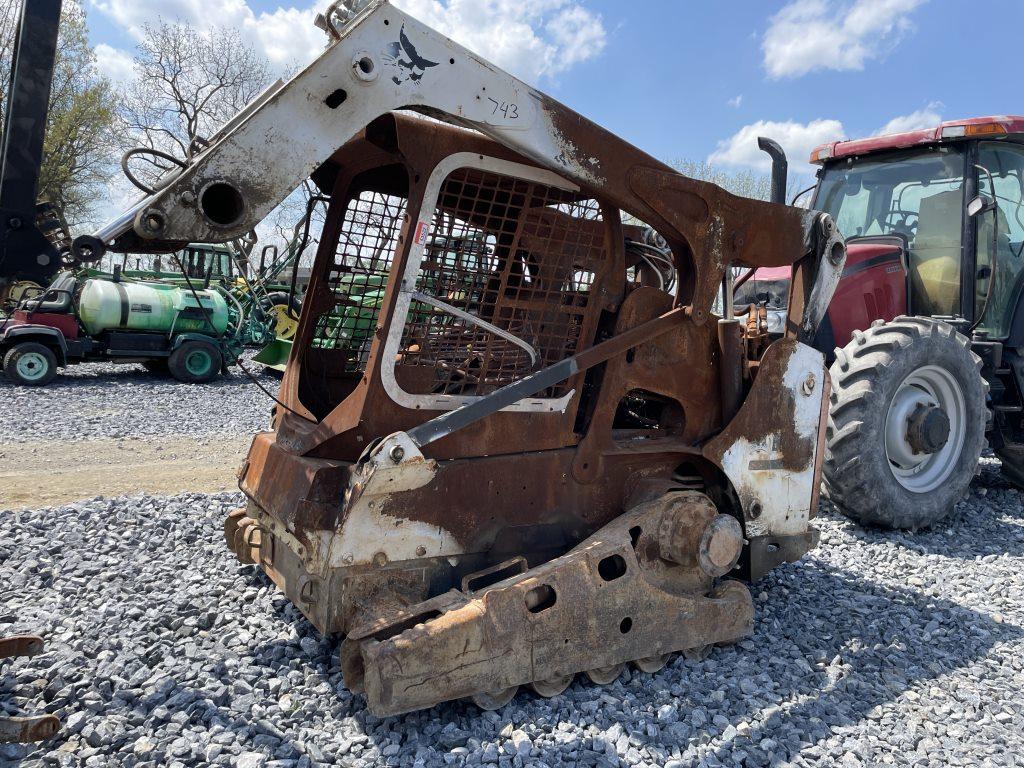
{"type": "Point", "coordinates": [821, 154]}
{"type": "Point", "coordinates": [978, 129]}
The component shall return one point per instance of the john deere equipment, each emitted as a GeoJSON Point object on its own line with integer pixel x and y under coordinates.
{"type": "Point", "coordinates": [191, 332]}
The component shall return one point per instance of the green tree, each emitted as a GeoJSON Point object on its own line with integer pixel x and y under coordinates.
{"type": "Point", "coordinates": [79, 139]}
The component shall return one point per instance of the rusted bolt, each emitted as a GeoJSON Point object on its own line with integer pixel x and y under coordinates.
{"type": "Point", "coordinates": [397, 454]}
{"type": "Point", "coordinates": [809, 383]}
{"type": "Point", "coordinates": [187, 198]}
{"type": "Point", "coordinates": [380, 559]}
{"type": "Point", "coordinates": [421, 551]}
{"type": "Point", "coordinates": [347, 558]}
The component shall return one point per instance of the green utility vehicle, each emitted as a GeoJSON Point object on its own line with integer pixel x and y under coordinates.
{"type": "Point", "coordinates": [189, 332]}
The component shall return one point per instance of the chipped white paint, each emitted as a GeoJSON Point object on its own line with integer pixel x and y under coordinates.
{"type": "Point", "coordinates": [755, 468]}
{"type": "Point", "coordinates": [392, 346]}
{"type": "Point", "coordinates": [368, 533]}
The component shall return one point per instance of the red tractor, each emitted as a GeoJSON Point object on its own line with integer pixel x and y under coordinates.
{"type": "Point", "coordinates": [926, 327]}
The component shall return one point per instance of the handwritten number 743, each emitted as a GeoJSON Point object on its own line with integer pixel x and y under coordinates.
{"type": "Point", "coordinates": [508, 110]}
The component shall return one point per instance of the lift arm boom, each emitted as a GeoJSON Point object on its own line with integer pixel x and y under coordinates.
{"type": "Point", "coordinates": [383, 60]}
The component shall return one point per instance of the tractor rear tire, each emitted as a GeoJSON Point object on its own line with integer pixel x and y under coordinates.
{"type": "Point", "coordinates": [30, 364]}
{"type": "Point", "coordinates": [195, 362]}
{"type": "Point", "coordinates": [906, 423]}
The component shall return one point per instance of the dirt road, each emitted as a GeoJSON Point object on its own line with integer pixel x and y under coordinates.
{"type": "Point", "coordinates": [50, 472]}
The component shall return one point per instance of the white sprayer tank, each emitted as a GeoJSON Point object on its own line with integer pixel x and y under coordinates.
{"type": "Point", "coordinates": [105, 305]}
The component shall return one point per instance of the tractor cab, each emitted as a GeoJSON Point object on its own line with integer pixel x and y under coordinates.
{"type": "Point", "coordinates": [921, 212]}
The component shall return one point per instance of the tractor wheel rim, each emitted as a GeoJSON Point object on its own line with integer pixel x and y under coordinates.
{"type": "Point", "coordinates": [284, 324]}
{"type": "Point", "coordinates": [198, 363]}
{"type": "Point", "coordinates": [929, 386]}
{"type": "Point", "coordinates": [32, 366]}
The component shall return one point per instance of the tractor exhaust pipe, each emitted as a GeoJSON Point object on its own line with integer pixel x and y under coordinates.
{"type": "Point", "coordinates": [780, 168]}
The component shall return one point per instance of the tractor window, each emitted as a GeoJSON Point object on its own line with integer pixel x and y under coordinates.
{"type": "Point", "coordinates": [917, 195]}
{"type": "Point", "coordinates": [1000, 237]}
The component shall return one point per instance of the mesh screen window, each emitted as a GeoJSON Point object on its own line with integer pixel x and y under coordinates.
{"type": "Point", "coordinates": [366, 249]}
{"type": "Point", "coordinates": [518, 254]}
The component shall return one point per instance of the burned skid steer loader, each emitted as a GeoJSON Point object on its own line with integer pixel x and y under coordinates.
{"type": "Point", "coordinates": [513, 441]}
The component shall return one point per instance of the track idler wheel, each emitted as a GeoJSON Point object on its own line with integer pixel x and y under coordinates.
{"type": "Point", "coordinates": [495, 699]}
{"type": "Point", "coordinates": [652, 664]}
{"type": "Point", "coordinates": [552, 687]}
{"type": "Point", "coordinates": [699, 653]}
{"type": "Point", "coordinates": [605, 675]}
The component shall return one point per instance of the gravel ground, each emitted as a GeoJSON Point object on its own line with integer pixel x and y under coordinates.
{"type": "Point", "coordinates": [121, 400]}
{"type": "Point", "coordinates": [875, 649]}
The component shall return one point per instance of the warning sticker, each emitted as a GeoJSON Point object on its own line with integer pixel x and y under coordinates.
{"type": "Point", "coordinates": [422, 230]}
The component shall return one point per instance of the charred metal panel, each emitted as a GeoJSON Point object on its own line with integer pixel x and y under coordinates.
{"type": "Point", "coordinates": [489, 384]}
{"type": "Point", "coordinates": [619, 596]}
{"type": "Point", "coordinates": [769, 451]}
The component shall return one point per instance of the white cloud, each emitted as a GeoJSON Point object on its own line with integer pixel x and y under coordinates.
{"type": "Point", "coordinates": [113, 63]}
{"type": "Point", "coordinates": [735, 101]}
{"type": "Point", "coordinates": [530, 39]}
{"type": "Point", "coordinates": [798, 139]}
{"type": "Point", "coordinates": [808, 35]}
{"type": "Point", "coordinates": [927, 117]}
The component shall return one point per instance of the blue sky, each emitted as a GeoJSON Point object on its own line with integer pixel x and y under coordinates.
{"type": "Point", "coordinates": [687, 79]}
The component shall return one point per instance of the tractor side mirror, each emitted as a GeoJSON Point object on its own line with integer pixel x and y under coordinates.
{"type": "Point", "coordinates": [979, 204]}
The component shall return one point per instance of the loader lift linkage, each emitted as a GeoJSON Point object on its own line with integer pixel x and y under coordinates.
{"type": "Point", "coordinates": [507, 452]}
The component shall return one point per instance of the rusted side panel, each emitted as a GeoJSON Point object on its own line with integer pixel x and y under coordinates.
{"type": "Point", "coordinates": [769, 451]}
{"type": "Point", "coordinates": [617, 597]}
{"type": "Point", "coordinates": [33, 727]}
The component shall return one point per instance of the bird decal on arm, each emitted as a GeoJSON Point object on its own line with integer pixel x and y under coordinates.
{"type": "Point", "coordinates": [404, 56]}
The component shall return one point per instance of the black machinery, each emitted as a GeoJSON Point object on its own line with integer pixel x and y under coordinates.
{"type": "Point", "coordinates": [33, 239]}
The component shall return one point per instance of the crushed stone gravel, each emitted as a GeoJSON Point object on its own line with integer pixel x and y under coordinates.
{"type": "Point", "coordinates": [98, 400]}
{"type": "Point", "coordinates": [875, 649]}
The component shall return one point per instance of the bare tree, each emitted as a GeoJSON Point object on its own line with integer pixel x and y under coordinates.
{"type": "Point", "coordinates": [8, 30]}
{"type": "Point", "coordinates": [187, 84]}
{"type": "Point", "coordinates": [79, 127]}
{"type": "Point", "coordinates": [745, 183]}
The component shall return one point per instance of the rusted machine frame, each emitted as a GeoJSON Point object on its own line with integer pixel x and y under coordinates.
{"type": "Point", "coordinates": [34, 727]}
{"type": "Point", "coordinates": [365, 507]}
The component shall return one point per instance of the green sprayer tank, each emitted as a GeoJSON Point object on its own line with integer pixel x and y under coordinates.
{"type": "Point", "coordinates": [106, 305]}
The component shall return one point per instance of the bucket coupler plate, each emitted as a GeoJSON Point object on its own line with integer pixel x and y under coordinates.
{"type": "Point", "coordinates": [636, 590]}
{"type": "Point", "coordinates": [32, 728]}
